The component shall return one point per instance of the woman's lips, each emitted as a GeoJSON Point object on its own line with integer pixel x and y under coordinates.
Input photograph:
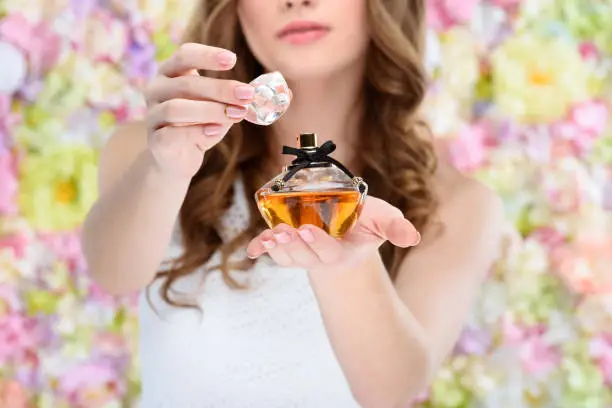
{"type": "Point", "coordinates": [302, 32]}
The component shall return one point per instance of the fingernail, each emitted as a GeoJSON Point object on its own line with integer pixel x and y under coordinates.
{"type": "Point", "coordinates": [306, 235]}
{"type": "Point", "coordinates": [252, 256]}
{"type": "Point", "coordinates": [235, 112]}
{"type": "Point", "coordinates": [282, 237]}
{"type": "Point", "coordinates": [226, 58]}
{"type": "Point", "coordinates": [212, 130]}
{"type": "Point", "coordinates": [244, 92]}
{"type": "Point", "coordinates": [268, 244]}
{"type": "Point", "coordinates": [418, 239]}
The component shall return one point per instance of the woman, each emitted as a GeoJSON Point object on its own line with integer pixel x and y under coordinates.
{"type": "Point", "coordinates": [247, 316]}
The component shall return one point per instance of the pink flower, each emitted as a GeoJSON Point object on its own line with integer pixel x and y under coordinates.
{"type": "Point", "coordinates": [600, 349]}
{"type": "Point", "coordinates": [468, 150]}
{"type": "Point", "coordinates": [8, 183]}
{"type": "Point", "coordinates": [18, 335]}
{"type": "Point", "coordinates": [585, 265]}
{"type": "Point", "coordinates": [39, 41]}
{"type": "Point", "coordinates": [13, 395]}
{"type": "Point", "coordinates": [507, 4]}
{"type": "Point", "coordinates": [90, 385]}
{"type": "Point", "coordinates": [66, 247]}
{"type": "Point", "coordinates": [590, 117]}
{"type": "Point", "coordinates": [549, 237]}
{"type": "Point", "coordinates": [17, 242]}
{"type": "Point", "coordinates": [585, 123]}
{"type": "Point", "coordinates": [536, 356]}
{"type": "Point", "coordinates": [589, 51]}
{"type": "Point", "coordinates": [9, 299]}
{"type": "Point", "coordinates": [443, 14]}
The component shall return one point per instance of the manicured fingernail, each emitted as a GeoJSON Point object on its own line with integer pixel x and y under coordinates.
{"type": "Point", "coordinates": [268, 244]}
{"type": "Point", "coordinates": [306, 235]}
{"type": "Point", "coordinates": [244, 92]}
{"type": "Point", "coordinates": [226, 58]}
{"type": "Point", "coordinates": [418, 239]}
{"type": "Point", "coordinates": [282, 238]}
{"type": "Point", "coordinates": [212, 130]}
{"type": "Point", "coordinates": [252, 256]}
{"type": "Point", "coordinates": [235, 112]}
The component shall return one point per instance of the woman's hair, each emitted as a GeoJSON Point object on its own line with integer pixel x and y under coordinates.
{"type": "Point", "coordinates": [397, 155]}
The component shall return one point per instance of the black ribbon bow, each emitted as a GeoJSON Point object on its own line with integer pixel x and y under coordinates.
{"type": "Point", "coordinates": [305, 157]}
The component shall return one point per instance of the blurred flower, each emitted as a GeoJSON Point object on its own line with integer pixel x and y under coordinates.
{"type": "Point", "coordinates": [528, 84]}
{"type": "Point", "coordinates": [467, 150]}
{"type": "Point", "coordinates": [443, 112]}
{"type": "Point", "coordinates": [58, 187]}
{"type": "Point", "coordinates": [107, 86]}
{"type": "Point", "coordinates": [600, 348]}
{"type": "Point", "coordinates": [90, 385]}
{"type": "Point", "coordinates": [473, 341]}
{"type": "Point", "coordinates": [13, 395]}
{"type": "Point", "coordinates": [459, 66]}
{"type": "Point", "coordinates": [584, 383]}
{"type": "Point", "coordinates": [585, 264]}
{"type": "Point", "coordinates": [443, 14]}
{"type": "Point", "coordinates": [507, 3]}
{"type": "Point", "coordinates": [8, 119]}
{"type": "Point", "coordinates": [38, 41]}
{"type": "Point", "coordinates": [14, 68]}
{"type": "Point", "coordinates": [18, 335]}
{"type": "Point", "coordinates": [9, 299]}
{"type": "Point", "coordinates": [105, 38]}
{"type": "Point", "coordinates": [8, 182]}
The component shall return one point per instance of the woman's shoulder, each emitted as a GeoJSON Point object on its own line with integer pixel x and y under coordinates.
{"type": "Point", "coordinates": [464, 198]}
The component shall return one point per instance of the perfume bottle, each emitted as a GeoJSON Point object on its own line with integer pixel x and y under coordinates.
{"type": "Point", "coordinates": [313, 189]}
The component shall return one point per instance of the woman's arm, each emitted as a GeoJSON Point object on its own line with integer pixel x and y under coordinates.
{"type": "Point", "coordinates": [126, 233]}
{"type": "Point", "coordinates": [390, 339]}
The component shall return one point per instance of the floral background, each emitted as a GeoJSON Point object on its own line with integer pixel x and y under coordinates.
{"type": "Point", "coordinates": [521, 97]}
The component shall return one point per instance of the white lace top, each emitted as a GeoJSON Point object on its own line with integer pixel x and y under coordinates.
{"type": "Point", "coordinates": [265, 347]}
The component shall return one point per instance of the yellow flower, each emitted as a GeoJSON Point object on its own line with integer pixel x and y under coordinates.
{"type": "Point", "coordinates": [538, 78]}
{"type": "Point", "coordinates": [58, 187]}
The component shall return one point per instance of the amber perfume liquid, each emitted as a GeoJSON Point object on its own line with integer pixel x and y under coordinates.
{"type": "Point", "coordinates": [333, 211]}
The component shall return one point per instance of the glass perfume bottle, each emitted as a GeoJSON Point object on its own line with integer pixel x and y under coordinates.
{"type": "Point", "coordinates": [314, 189]}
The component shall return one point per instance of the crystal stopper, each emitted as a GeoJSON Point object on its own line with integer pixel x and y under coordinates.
{"type": "Point", "coordinates": [272, 98]}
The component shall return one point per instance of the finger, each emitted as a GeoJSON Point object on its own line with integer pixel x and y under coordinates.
{"type": "Point", "coordinates": [192, 56]}
{"type": "Point", "coordinates": [271, 246]}
{"type": "Point", "coordinates": [400, 232]}
{"type": "Point", "coordinates": [388, 222]}
{"type": "Point", "coordinates": [188, 112]}
{"type": "Point", "coordinates": [328, 249]}
{"type": "Point", "coordinates": [200, 88]}
{"type": "Point", "coordinates": [202, 137]}
{"type": "Point", "coordinates": [298, 251]}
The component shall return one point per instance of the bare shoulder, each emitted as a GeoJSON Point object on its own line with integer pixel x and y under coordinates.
{"type": "Point", "coordinates": [120, 151]}
{"type": "Point", "coordinates": [468, 207]}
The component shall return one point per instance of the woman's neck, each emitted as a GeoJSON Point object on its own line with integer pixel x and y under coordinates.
{"type": "Point", "coordinates": [332, 108]}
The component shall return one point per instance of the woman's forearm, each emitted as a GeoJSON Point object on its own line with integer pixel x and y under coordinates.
{"type": "Point", "coordinates": [126, 233]}
{"type": "Point", "coordinates": [380, 345]}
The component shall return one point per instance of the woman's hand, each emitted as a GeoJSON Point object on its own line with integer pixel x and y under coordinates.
{"type": "Point", "coordinates": [312, 248]}
{"type": "Point", "coordinates": [188, 113]}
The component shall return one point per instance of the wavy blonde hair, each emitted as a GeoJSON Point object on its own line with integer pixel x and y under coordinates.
{"type": "Point", "coordinates": [398, 162]}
